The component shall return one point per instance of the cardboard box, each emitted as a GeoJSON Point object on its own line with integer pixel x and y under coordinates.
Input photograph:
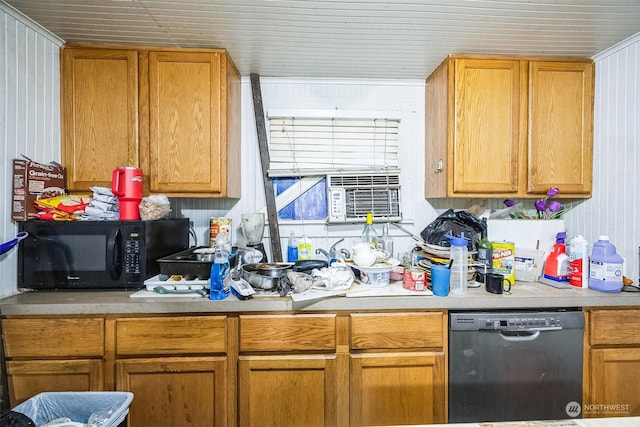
{"type": "Point", "coordinates": [524, 233]}
{"type": "Point", "coordinates": [31, 181]}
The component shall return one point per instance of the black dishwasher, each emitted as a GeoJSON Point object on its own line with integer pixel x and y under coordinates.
{"type": "Point", "coordinates": [515, 366]}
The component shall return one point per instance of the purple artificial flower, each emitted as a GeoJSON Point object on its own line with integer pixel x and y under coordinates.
{"type": "Point", "coordinates": [555, 206]}
{"type": "Point", "coordinates": [509, 203]}
{"type": "Point", "coordinates": [541, 205]}
{"type": "Point", "coordinates": [552, 191]}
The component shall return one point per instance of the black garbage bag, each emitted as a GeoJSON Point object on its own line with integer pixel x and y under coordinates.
{"type": "Point", "coordinates": [455, 223]}
{"type": "Point", "coordinates": [15, 419]}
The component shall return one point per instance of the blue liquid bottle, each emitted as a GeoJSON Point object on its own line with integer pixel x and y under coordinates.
{"type": "Point", "coordinates": [220, 280]}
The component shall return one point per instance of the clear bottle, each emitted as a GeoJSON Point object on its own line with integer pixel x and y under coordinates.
{"type": "Point", "coordinates": [369, 234]}
{"type": "Point", "coordinates": [459, 254]}
{"type": "Point", "coordinates": [292, 248]}
{"type": "Point", "coordinates": [485, 247]}
{"type": "Point", "coordinates": [220, 280]}
{"type": "Point", "coordinates": [386, 240]}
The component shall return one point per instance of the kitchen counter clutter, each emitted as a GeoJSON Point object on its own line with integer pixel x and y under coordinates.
{"type": "Point", "coordinates": [522, 296]}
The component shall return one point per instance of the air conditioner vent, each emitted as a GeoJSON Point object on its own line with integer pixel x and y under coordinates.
{"type": "Point", "coordinates": [351, 197]}
{"type": "Point", "coordinates": [353, 181]}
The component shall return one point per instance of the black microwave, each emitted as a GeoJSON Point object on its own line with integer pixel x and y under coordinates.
{"type": "Point", "coordinates": [96, 254]}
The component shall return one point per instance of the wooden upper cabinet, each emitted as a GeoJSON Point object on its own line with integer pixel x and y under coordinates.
{"type": "Point", "coordinates": [173, 112]}
{"type": "Point", "coordinates": [506, 126]}
{"type": "Point", "coordinates": [188, 123]}
{"type": "Point", "coordinates": [560, 127]}
{"type": "Point", "coordinates": [99, 114]}
{"type": "Point", "coordinates": [486, 112]}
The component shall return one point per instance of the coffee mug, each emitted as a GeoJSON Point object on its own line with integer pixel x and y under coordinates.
{"type": "Point", "coordinates": [495, 283]}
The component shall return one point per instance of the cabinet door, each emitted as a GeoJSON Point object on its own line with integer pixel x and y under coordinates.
{"type": "Point", "coordinates": [186, 152]}
{"type": "Point", "coordinates": [398, 388]}
{"type": "Point", "coordinates": [99, 114]}
{"type": "Point", "coordinates": [560, 127]}
{"type": "Point", "coordinates": [288, 391]}
{"type": "Point", "coordinates": [614, 386]}
{"type": "Point", "coordinates": [486, 146]}
{"type": "Point", "coordinates": [178, 391]}
{"type": "Point", "coordinates": [27, 378]}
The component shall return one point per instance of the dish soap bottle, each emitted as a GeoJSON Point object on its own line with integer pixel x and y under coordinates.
{"type": "Point", "coordinates": [459, 253]}
{"type": "Point", "coordinates": [292, 248]}
{"type": "Point", "coordinates": [605, 267]}
{"type": "Point", "coordinates": [369, 234]}
{"type": "Point", "coordinates": [220, 274]}
{"type": "Point", "coordinates": [304, 248]}
{"type": "Point", "coordinates": [556, 266]}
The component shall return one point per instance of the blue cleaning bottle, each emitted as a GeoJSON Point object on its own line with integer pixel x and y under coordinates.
{"type": "Point", "coordinates": [220, 280]}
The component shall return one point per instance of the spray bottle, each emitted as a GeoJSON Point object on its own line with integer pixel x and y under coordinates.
{"type": "Point", "coordinates": [556, 266]}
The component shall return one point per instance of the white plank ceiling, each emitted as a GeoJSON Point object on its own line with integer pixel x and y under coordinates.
{"type": "Point", "coordinates": [345, 38]}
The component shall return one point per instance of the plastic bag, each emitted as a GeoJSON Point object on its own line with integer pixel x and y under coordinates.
{"type": "Point", "coordinates": [156, 206]}
{"type": "Point", "coordinates": [453, 222]}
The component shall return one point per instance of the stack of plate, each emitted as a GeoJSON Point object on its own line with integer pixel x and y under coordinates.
{"type": "Point", "coordinates": [433, 254]}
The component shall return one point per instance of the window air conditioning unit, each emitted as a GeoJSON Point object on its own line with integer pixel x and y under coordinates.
{"type": "Point", "coordinates": [352, 195]}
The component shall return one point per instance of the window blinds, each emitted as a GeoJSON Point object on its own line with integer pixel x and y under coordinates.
{"type": "Point", "coordinates": [325, 142]}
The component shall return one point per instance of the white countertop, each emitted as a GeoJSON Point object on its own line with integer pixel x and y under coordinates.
{"type": "Point", "coordinates": [524, 295]}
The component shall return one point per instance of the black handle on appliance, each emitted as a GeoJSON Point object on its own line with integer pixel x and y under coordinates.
{"type": "Point", "coordinates": [309, 264]}
{"type": "Point", "coordinates": [114, 254]}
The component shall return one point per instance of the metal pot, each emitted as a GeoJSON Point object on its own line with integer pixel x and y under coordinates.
{"type": "Point", "coordinates": [260, 276]}
{"type": "Point", "coordinates": [273, 270]}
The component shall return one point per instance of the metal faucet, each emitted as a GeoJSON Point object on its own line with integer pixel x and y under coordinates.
{"type": "Point", "coordinates": [332, 250]}
{"type": "Point", "coordinates": [323, 252]}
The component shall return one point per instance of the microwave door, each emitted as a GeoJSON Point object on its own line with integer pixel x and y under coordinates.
{"type": "Point", "coordinates": [61, 261]}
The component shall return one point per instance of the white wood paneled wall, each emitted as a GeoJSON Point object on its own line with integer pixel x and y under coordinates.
{"type": "Point", "coordinates": [29, 113]}
{"type": "Point", "coordinates": [614, 208]}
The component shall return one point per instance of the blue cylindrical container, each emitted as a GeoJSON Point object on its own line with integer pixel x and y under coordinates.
{"type": "Point", "coordinates": [605, 267]}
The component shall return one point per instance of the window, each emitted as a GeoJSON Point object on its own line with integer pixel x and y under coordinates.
{"type": "Point", "coordinates": [306, 146]}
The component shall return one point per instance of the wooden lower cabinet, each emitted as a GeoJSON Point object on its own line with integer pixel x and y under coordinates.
{"type": "Point", "coordinates": [176, 367]}
{"type": "Point", "coordinates": [279, 369]}
{"type": "Point", "coordinates": [398, 368]}
{"type": "Point", "coordinates": [400, 388]}
{"type": "Point", "coordinates": [175, 391]}
{"type": "Point", "coordinates": [30, 377]}
{"type": "Point", "coordinates": [612, 363]}
{"type": "Point", "coordinates": [292, 370]}
{"type": "Point", "coordinates": [53, 354]}
{"type": "Point", "coordinates": [293, 391]}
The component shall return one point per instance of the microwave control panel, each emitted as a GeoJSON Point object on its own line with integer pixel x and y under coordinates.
{"type": "Point", "coordinates": [132, 254]}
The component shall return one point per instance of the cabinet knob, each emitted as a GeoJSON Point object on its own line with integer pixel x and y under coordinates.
{"type": "Point", "coordinates": [439, 166]}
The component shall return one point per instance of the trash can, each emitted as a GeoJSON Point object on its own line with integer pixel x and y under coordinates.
{"type": "Point", "coordinates": [102, 408]}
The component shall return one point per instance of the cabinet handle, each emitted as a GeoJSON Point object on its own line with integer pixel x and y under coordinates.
{"type": "Point", "coordinates": [439, 166]}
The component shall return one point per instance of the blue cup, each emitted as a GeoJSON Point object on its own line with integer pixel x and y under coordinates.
{"type": "Point", "coordinates": [440, 275]}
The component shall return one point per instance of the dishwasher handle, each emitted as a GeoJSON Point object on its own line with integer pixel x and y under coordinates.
{"type": "Point", "coordinates": [519, 335]}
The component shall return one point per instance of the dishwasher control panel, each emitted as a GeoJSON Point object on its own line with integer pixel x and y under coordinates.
{"type": "Point", "coordinates": [505, 321]}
